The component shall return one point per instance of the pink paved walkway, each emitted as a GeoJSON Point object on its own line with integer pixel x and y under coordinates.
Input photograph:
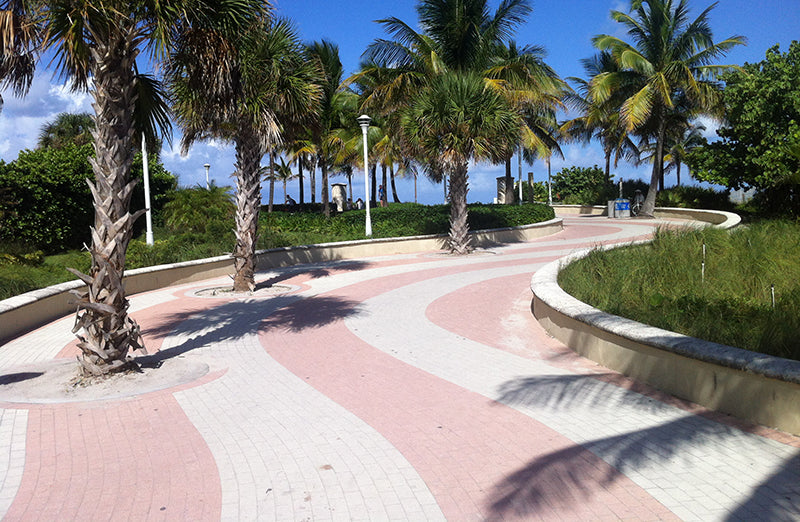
{"type": "Point", "coordinates": [400, 388]}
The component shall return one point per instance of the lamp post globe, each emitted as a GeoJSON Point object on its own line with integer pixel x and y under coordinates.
{"type": "Point", "coordinates": [364, 122]}
{"type": "Point", "coordinates": [207, 166]}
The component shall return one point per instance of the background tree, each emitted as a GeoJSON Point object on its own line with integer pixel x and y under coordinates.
{"type": "Point", "coordinates": [681, 145]}
{"type": "Point", "coordinates": [67, 128]}
{"type": "Point", "coordinates": [336, 111]}
{"type": "Point", "coordinates": [601, 120]}
{"type": "Point", "coordinates": [669, 60]}
{"type": "Point", "coordinates": [414, 68]}
{"type": "Point", "coordinates": [534, 89]}
{"type": "Point", "coordinates": [455, 120]}
{"type": "Point", "coordinates": [262, 81]}
{"type": "Point", "coordinates": [762, 126]}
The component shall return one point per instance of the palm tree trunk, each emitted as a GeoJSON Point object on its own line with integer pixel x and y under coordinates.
{"type": "Point", "coordinates": [312, 179]}
{"type": "Point", "coordinates": [374, 196]}
{"type": "Point", "coordinates": [300, 176]}
{"type": "Point", "coordinates": [649, 205]}
{"type": "Point", "coordinates": [248, 204]}
{"type": "Point", "coordinates": [415, 187]}
{"type": "Point", "coordinates": [608, 166]}
{"type": "Point", "coordinates": [108, 332]}
{"type": "Point", "coordinates": [271, 179]}
{"type": "Point", "coordinates": [508, 189]}
{"type": "Point", "coordinates": [394, 187]}
{"type": "Point", "coordinates": [678, 172]}
{"type": "Point", "coordinates": [459, 240]}
{"type": "Point", "coordinates": [326, 208]}
{"type": "Point", "coordinates": [383, 181]}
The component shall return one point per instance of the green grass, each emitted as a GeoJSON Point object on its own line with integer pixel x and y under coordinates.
{"type": "Point", "coordinates": [661, 284]}
{"type": "Point", "coordinates": [22, 270]}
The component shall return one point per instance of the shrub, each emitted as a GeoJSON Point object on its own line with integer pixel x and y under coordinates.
{"type": "Point", "coordinates": [46, 203]}
{"type": "Point", "coordinates": [688, 196]}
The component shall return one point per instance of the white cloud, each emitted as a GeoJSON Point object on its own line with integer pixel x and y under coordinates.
{"type": "Point", "coordinates": [711, 125]}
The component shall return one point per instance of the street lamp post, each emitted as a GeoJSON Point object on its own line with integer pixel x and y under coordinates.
{"type": "Point", "coordinates": [207, 166]}
{"type": "Point", "coordinates": [363, 121]}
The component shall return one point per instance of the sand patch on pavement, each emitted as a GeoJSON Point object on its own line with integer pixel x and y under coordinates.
{"type": "Point", "coordinates": [59, 380]}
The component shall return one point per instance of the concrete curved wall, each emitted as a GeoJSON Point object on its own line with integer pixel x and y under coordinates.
{"type": "Point", "coordinates": [748, 385]}
{"type": "Point", "coordinates": [717, 218]}
{"type": "Point", "coordinates": [27, 311]}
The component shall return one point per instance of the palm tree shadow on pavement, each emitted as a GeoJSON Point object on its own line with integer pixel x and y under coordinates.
{"type": "Point", "coordinates": [543, 481]}
{"type": "Point", "coordinates": [234, 320]}
{"type": "Point", "coordinates": [314, 271]}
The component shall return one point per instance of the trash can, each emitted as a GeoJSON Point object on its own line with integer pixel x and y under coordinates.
{"type": "Point", "coordinates": [619, 208]}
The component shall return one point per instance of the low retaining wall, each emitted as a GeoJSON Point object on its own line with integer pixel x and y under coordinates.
{"type": "Point", "coordinates": [714, 217]}
{"type": "Point", "coordinates": [27, 311]}
{"type": "Point", "coordinates": [756, 387]}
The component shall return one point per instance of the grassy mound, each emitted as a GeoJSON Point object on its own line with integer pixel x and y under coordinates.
{"type": "Point", "coordinates": [664, 284]}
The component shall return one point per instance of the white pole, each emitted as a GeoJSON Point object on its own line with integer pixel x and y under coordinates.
{"type": "Point", "coordinates": [147, 215]}
{"type": "Point", "coordinates": [363, 121]}
{"type": "Point", "coordinates": [549, 186]}
{"type": "Point", "coordinates": [207, 166]}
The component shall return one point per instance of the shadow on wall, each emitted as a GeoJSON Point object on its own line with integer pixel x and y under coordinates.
{"type": "Point", "coordinates": [542, 481]}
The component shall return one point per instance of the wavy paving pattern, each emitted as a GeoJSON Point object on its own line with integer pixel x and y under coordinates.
{"type": "Point", "coordinates": [414, 387]}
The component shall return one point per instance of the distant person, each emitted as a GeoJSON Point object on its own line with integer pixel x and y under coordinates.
{"type": "Point", "coordinates": [289, 201]}
{"type": "Point", "coordinates": [360, 204]}
{"type": "Point", "coordinates": [349, 204]}
{"type": "Point", "coordinates": [382, 195]}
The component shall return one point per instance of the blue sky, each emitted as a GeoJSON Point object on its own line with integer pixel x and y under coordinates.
{"type": "Point", "coordinates": [563, 27]}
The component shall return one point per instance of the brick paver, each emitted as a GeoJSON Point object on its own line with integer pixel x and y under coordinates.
{"type": "Point", "coordinates": [414, 387]}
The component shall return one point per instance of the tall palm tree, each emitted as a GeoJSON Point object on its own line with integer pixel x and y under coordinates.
{"type": "Point", "coordinates": [456, 119]}
{"type": "Point", "coordinates": [248, 96]}
{"type": "Point", "coordinates": [337, 110]}
{"type": "Point", "coordinates": [65, 129]}
{"type": "Point", "coordinates": [95, 45]}
{"type": "Point", "coordinates": [671, 57]}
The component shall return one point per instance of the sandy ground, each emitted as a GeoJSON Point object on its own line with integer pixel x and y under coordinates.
{"type": "Point", "coordinates": [59, 380]}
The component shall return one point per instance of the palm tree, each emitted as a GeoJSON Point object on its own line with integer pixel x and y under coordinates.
{"type": "Point", "coordinates": [95, 45]}
{"type": "Point", "coordinates": [21, 36]}
{"type": "Point", "coordinates": [455, 120]}
{"type": "Point", "coordinates": [681, 146]}
{"type": "Point", "coordinates": [65, 129]}
{"type": "Point", "coordinates": [248, 95]}
{"type": "Point", "coordinates": [337, 111]}
{"type": "Point", "coordinates": [535, 90]}
{"type": "Point", "coordinates": [600, 120]}
{"type": "Point", "coordinates": [283, 172]}
{"type": "Point", "coordinates": [452, 52]}
{"type": "Point", "coordinates": [670, 58]}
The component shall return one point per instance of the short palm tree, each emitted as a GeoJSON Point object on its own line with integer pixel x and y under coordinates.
{"type": "Point", "coordinates": [65, 129]}
{"type": "Point", "coordinates": [680, 146]}
{"type": "Point", "coordinates": [456, 119]}
{"type": "Point", "coordinates": [247, 89]}
{"type": "Point", "coordinates": [670, 59]}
